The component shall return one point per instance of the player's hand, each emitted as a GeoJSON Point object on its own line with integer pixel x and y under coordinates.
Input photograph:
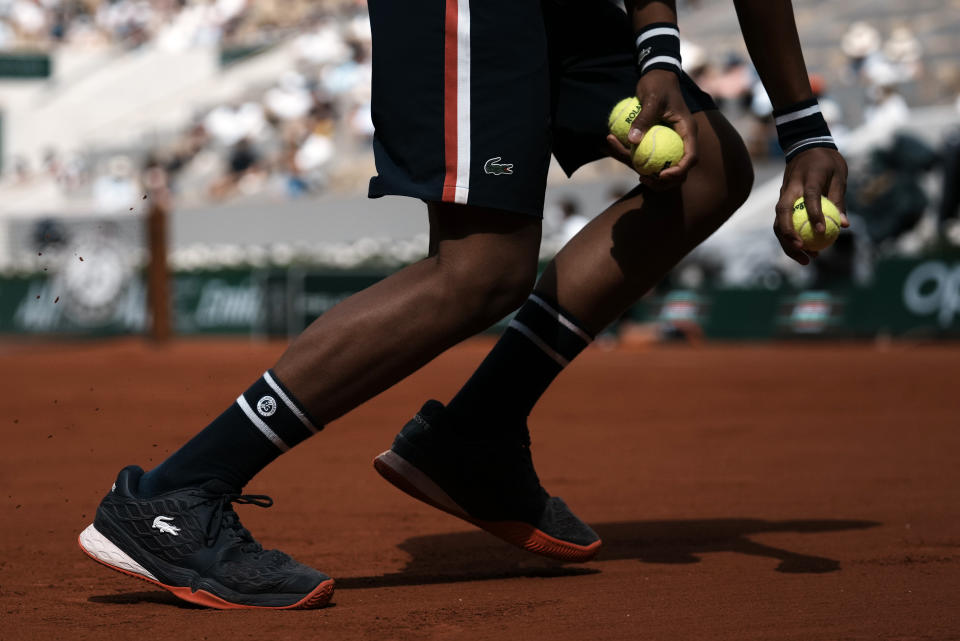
{"type": "Point", "coordinates": [662, 102]}
{"type": "Point", "coordinates": [811, 174]}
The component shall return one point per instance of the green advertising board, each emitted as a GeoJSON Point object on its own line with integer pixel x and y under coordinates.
{"type": "Point", "coordinates": [906, 297]}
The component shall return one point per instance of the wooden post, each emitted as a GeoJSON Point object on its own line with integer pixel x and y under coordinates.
{"type": "Point", "coordinates": [158, 274]}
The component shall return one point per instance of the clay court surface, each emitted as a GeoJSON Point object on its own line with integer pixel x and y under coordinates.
{"type": "Point", "coordinates": [742, 492]}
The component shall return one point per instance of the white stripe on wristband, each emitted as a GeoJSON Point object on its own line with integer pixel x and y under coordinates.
{"type": "Point", "coordinates": [818, 140]}
{"type": "Point", "coordinates": [660, 59]}
{"type": "Point", "coordinates": [658, 31]}
{"type": "Point", "coordinates": [658, 47]}
{"type": "Point", "coordinates": [802, 126]}
{"type": "Point", "coordinates": [797, 115]}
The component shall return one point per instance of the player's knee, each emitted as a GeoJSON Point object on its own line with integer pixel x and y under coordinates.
{"type": "Point", "coordinates": [732, 192]}
{"type": "Point", "coordinates": [487, 291]}
{"type": "Point", "coordinates": [741, 184]}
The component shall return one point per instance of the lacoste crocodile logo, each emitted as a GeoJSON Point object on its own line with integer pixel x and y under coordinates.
{"type": "Point", "coordinates": [644, 53]}
{"type": "Point", "coordinates": [161, 523]}
{"type": "Point", "coordinates": [495, 168]}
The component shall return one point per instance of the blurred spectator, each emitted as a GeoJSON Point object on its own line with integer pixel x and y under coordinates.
{"type": "Point", "coordinates": [229, 124]}
{"type": "Point", "coordinates": [117, 189]}
{"type": "Point", "coordinates": [903, 50]}
{"type": "Point", "coordinates": [49, 234]}
{"type": "Point", "coordinates": [950, 193]}
{"type": "Point", "coordinates": [859, 42]}
{"type": "Point", "coordinates": [245, 172]}
{"type": "Point", "coordinates": [323, 45]}
{"type": "Point", "coordinates": [290, 98]}
{"type": "Point", "coordinates": [886, 192]}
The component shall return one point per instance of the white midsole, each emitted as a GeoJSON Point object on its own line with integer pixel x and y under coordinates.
{"type": "Point", "coordinates": [101, 548]}
{"type": "Point", "coordinates": [420, 481]}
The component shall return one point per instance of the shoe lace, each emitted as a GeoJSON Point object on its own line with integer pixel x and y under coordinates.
{"type": "Point", "coordinates": [225, 517]}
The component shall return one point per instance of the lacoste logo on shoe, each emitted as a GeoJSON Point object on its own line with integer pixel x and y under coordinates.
{"type": "Point", "coordinates": [160, 523]}
{"type": "Point", "coordinates": [421, 420]}
{"type": "Point", "coordinates": [267, 406]}
{"type": "Point", "coordinates": [495, 168]}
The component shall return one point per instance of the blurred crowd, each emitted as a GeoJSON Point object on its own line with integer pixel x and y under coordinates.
{"type": "Point", "coordinates": [290, 137]}
{"type": "Point", "coordinates": [876, 74]}
{"type": "Point", "coordinates": [895, 177]}
{"type": "Point", "coordinates": [173, 24]}
{"type": "Point", "coordinates": [281, 138]}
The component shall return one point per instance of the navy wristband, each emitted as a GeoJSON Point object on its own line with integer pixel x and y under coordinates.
{"type": "Point", "coordinates": [658, 47]}
{"type": "Point", "coordinates": [800, 127]}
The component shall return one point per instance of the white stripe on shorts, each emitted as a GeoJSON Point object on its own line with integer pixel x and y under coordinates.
{"type": "Point", "coordinates": [462, 192]}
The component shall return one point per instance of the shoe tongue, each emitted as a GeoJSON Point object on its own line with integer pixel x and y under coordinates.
{"type": "Point", "coordinates": [219, 486]}
{"type": "Point", "coordinates": [431, 409]}
{"type": "Point", "coordinates": [478, 428]}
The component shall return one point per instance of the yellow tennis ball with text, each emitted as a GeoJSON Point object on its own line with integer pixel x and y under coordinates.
{"type": "Point", "coordinates": [660, 148]}
{"type": "Point", "coordinates": [813, 241]}
{"type": "Point", "coordinates": [622, 117]}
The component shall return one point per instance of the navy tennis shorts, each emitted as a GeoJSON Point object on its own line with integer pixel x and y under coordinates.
{"type": "Point", "coordinates": [471, 98]}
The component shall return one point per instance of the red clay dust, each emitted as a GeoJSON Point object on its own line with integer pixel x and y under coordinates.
{"type": "Point", "coordinates": [766, 492]}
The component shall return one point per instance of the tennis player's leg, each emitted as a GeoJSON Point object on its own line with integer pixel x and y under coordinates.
{"type": "Point", "coordinates": [174, 525]}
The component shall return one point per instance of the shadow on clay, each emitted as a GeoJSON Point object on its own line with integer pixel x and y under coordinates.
{"type": "Point", "coordinates": [474, 556]}
{"type": "Point", "coordinates": [477, 556]}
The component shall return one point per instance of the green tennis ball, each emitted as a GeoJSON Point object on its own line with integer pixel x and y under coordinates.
{"type": "Point", "coordinates": [660, 148]}
{"type": "Point", "coordinates": [622, 117]}
{"type": "Point", "coordinates": [812, 241]}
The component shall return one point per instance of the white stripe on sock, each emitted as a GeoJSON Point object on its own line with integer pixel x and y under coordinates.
{"type": "Point", "coordinates": [289, 403]}
{"type": "Point", "coordinates": [549, 351]}
{"type": "Point", "coordinates": [561, 318]}
{"type": "Point", "coordinates": [260, 425]}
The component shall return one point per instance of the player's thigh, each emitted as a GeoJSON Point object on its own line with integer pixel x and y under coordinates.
{"type": "Point", "coordinates": [723, 176]}
{"type": "Point", "coordinates": [651, 230]}
{"type": "Point", "coordinates": [593, 66]}
{"type": "Point", "coordinates": [461, 102]}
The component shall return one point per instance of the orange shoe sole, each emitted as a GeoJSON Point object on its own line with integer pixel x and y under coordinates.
{"type": "Point", "coordinates": [410, 480]}
{"type": "Point", "coordinates": [317, 598]}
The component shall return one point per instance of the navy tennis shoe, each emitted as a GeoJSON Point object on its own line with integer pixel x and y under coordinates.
{"type": "Point", "coordinates": [191, 543]}
{"type": "Point", "coordinates": [486, 480]}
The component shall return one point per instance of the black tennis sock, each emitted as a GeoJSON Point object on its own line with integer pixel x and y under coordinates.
{"type": "Point", "coordinates": [263, 423]}
{"type": "Point", "coordinates": [539, 342]}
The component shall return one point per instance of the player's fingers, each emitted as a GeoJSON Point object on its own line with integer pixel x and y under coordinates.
{"type": "Point", "coordinates": [651, 110]}
{"type": "Point", "coordinates": [814, 186]}
{"type": "Point", "coordinates": [618, 151]}
{"type": "Point", "coordinates": [837, 195]}
{"type": "Point", "coordinates": [655, 183]}
{"type": "Point", "coordinates": [790, 240]}
{"type": "Point", "coordinates": [793, 250]}
{"type": "Point", "coordinates": [671, 177]}
{"type": "Point", "coordinates": [686, 127]}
